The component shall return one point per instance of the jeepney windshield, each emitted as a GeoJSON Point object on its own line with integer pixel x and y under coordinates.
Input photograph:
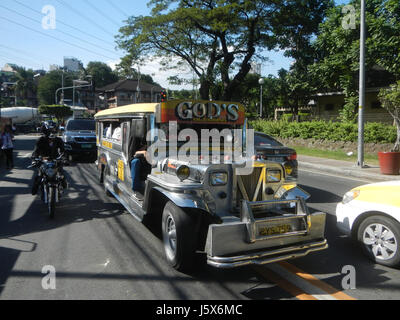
{"type": "Point", "coordinates": [200, 139]}
{"type": "Point", "coordinates": [181, 133]}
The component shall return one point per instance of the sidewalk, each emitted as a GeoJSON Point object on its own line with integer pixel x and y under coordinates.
{"type": "Point", "coordinates": [343, 168]}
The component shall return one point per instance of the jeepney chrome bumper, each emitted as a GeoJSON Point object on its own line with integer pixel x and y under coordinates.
{"type": "Point", "coordinates": [251, 240]}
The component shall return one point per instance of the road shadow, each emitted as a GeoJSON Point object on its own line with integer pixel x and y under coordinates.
{"type": "Point", "coordinates": [344, 251]}
{"type": "Point", "coordinates": [320, 196]}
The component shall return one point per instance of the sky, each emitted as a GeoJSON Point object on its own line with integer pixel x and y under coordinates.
{"type": "Point", "coordinates": [38, 33]}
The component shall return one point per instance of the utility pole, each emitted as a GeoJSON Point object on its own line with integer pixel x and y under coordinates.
{"type": "Point", "coordinates": [360, 161]}
{"type": "Point", "coordinates": [261, 82]}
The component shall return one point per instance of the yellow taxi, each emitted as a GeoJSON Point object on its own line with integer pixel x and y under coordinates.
{"type": "Point", "coordinates": [371, 215]}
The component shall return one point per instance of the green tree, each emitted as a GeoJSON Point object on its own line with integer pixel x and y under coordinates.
{"type": "Point", "coordinates": [390, 99]}
{"type": "Point", "coordinates": [56, 111]}
{"type": "Point", "coordinates": [336, 65]}
{"type": "Point", "coordinates": [25, 85]}
{"type": "Point", "coordinates": [216, 39]}
{"type": "Point", "coordinates": [101, 73]}
{"type": "Point", "coordinates": [49, 83]}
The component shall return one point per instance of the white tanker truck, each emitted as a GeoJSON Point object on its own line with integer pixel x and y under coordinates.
{"type": "Point", "coordinates": [19, 115]}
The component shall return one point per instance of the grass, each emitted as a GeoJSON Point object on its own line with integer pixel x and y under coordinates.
{"type": "Point", "coordinates": [336, 155]}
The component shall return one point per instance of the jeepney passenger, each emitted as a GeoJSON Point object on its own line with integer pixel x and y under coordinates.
{"type": "Point", "coordinates": [108, 132]}
{"type": "Point", "coordinates": [139, 167]}
{"type": "Point", "coordinates": [117, 134]}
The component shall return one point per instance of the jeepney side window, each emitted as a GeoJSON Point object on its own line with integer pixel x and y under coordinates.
{"type": "Point", "coordinates": [99, 129]}
{"type": "Point", "coordinates": [125, 141]}
{"type": "Point", "coordinates": [107, 130]}
{"type": "Point", "coordinates": [117, 132]}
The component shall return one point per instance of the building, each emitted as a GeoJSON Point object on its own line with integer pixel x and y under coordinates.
{"type": "Point", "coordinates": [326, 106]}
{"type": "Point", "coordinates": [54, 67]}
{"type": "Point", "coordinates": [255, 68]}
{"type": "Point", "coordinates": [72, 64]}
{"type": "Point", "coordinates": [126, 92]}
{"type": "Point", "coordinates": [9, 67]}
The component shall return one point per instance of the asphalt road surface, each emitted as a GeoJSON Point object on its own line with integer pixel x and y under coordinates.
{"type": "Point", "coordinates": [99, 251]}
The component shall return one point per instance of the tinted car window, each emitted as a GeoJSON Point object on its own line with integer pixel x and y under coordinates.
{"type": "Point", "coordinates": [81, 125]}
{"type": "Point", "coordinates": [263, 140]}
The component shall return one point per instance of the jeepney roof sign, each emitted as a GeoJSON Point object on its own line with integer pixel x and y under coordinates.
{"type": "Point", "coordinates": [202, 111]}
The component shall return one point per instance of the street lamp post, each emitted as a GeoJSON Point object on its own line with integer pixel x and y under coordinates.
{"type": "Point", "coordinates": [360, 161]}
{"type": "Point", "coordinates": [261, 82]}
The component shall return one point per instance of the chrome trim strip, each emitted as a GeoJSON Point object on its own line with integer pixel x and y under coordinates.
{"type": "Point", "coordinates": [173, 186]}
{"type": "Point", "coordinates": [120, 200]}
{"type": "Point", "coordinates": [264, 257]}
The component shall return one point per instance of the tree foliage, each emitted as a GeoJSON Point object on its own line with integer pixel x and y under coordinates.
{"type": "Point", "coordinates": [57, 111]}
{"type": "Point", "coordinates": [337, 50]}
{"type": "Point", "coordinates": [216, 39]}
{"type": "Point", "coordinates": [49, 83]}
{"type": "Point", "coordinates": [25, 85]}
{"type": "Point", "coordinates": [101, 73]}
{"type": "Point", "coordinates": [390, 99]}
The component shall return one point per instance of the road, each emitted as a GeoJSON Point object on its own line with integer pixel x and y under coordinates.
{"type": "Point", "coordinates": [99, 251]}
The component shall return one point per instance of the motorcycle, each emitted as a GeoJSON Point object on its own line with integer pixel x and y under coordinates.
{"type": "Point", "coordinates": [52, 181]}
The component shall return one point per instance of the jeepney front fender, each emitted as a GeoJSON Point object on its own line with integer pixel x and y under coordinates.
{"type": "Point", "coordinates": [184, 200]}
{"type": "Point", "coordinates": [292, 193]}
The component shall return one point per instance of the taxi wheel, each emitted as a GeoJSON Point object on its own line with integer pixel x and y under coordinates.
{"type": "Point", "coordinates": [178, 238]}
{"type": "Point", "coordinates": [380, 239]}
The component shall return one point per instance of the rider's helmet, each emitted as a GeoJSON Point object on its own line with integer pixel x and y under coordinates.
{"type": "Point", "coordinates": [45, 131]}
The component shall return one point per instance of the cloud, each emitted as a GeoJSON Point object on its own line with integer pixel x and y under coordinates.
{"type": "Point", "coordinates": [153, 67]}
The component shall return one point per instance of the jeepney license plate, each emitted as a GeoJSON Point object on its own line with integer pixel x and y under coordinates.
{"type": "Point", "coordinates": [86, 146]}
{"type": "Point", "coordinates": [274, 230]}
{"type": "Point", "coordinates": [276, 159]}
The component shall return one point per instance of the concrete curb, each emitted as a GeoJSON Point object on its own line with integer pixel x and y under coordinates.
{"type": "Point", "coordinates": [346, 171]}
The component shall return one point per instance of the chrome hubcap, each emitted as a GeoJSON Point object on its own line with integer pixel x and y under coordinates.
{"type": "Point", "coordinates": [381, 241]}
{"type": "Point", "coordinates": [170, 236]}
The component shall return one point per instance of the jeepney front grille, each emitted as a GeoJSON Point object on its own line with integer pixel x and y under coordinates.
{"type": "Point", "coordinates": [250, 185]}
{"type": "Point", "coordinates": [254, 187]}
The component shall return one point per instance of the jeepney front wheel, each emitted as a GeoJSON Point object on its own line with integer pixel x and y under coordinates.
{"type": "Point", "coordinates": [178, 238]}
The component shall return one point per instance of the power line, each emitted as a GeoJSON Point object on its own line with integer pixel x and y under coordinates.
{"type": "Point", "coordinates": [55, 38]}
{"type": "Point", "coordinates": [29, 60]}
{"type": "Point", "coordinates": [117, 8]}
{"type": "Point", "coordinates": [25, 52]}
{"type": "Point", "coordinates": [72, 36]}
{"type": "Point", "coordinates": [84, 17]}
{"type": "Point", "coordinates": [62, 22]}
{"type": "Point", "coordinates": [7, 58]}
{"type": "Point", "coordinates": [101, 13]}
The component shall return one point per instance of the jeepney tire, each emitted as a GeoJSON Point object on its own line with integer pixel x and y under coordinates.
{"type": "Point", "coordinates": [373, 246]}
{"type": "Point", "coordinates": [101, 175]}
{"type": "Point", "coordinates": [178, 238]}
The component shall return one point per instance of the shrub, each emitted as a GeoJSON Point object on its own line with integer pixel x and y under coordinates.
{"type": "Point", "coordinates": [328, 131]}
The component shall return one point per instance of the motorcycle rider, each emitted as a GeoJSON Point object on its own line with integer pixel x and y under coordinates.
{"type": "Point", "coordinates": [51, 146]}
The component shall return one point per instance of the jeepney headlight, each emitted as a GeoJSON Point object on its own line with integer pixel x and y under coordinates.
{"type": "Point", "coordinates": [351, 195]}
{"type": "Point", "coordinates": [183, 172]}
{"type": "Point", "coordinates": [218, 178]}
{"type": "Point", "coordinates": [288, 168]}
{"type": "Point", "coordinates": [274, 175]}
